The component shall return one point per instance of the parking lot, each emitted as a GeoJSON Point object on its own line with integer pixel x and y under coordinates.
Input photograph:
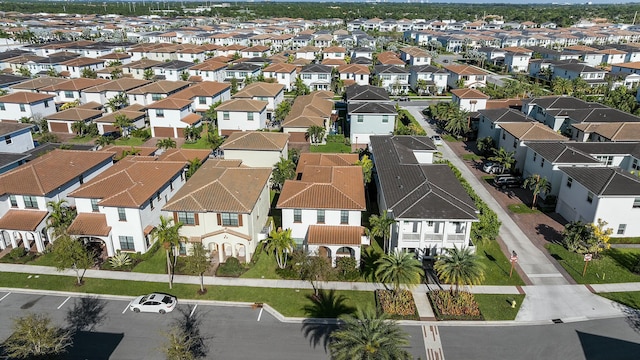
{"type": "Point", "coordinates": [230, 332]}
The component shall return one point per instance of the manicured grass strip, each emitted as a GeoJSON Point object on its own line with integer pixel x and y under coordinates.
{"type": "Point", "coordinates": [496, 264]}
{"type": "Point", "coordinates": [131, 141]}
{"type": "Point", "coordinates": [264, 267]}
{"type": "Point", "coordinates": [522, 209]}
{"type": "Point", "coordinates": [472, 157]}
{"type": "Point", "coordinates": [498, 306]}
{"type": "Point", "coordinates": [289, 302]}
{"type": "Point", "coordinates": [157, 264]}
{"type": "Point", "coordinates": [199, 144]}
{"type": "Point", "coordinates": [82, 140]}
{"type": "Point", "coordinates": [629, 298]}
{"type": "Point", "coordinates": [625, 240]}
{"type": "Point", "coordinates": [612, 266]}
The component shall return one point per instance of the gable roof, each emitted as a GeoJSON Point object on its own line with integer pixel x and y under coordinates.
{"type": "Point", "coordinates": [308, 110]}
{"type": "Point", "coordinates": [605, 181]}
{"type": "Point", "coordinates": [371, 108]}
{"type": "Point", "coordinates": [24, 97]}
{"type": "Point", "coordinates": [357, 92]}
{"type": "Point", "coordinates": [531, 131]}
{"type": "Point", "coordinates": [256, 140]}
{"type": "Point", "coordinates": [465, 70]}
{"type": "Point", "coordinates": [322, 159]}
{"type": "Point", "coordinates": [561, 153]}
{"type": "Point", "coordinates": [159, 87]}
{"type": "Point", "coordinates": [259, 89]}
{"type": "Point", "coordinates": [123, 84]}
{"type": "Point", "coordinates": [205, 88]}
{"type": "Point", "coordinates": [242, 105]}
{"type": "Point", "coordinates": [468, 93]}
{"type": "Point", "coordinates": [73, 84]}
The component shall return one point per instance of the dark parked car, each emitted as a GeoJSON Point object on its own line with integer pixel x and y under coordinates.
{"type": "Point", "coordinates": [507, 181]}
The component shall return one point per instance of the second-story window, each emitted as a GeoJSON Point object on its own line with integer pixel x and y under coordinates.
{"type": "Point", "coordinates": [30, 202]}
{"type": "Point", "coordinates": [94, 205]}
{"type": "Point", "coordinates": [13, 200]}
{"type": "Point", "coordinates": [187, 218]}
{"type": "Point", "coordinates": [344, 217]}
{"type": "Point", "coordinates": [160, 113]}
{"type": "Point", "coordinates": [320, 217]}
{"type": "Point", "coordinates": [122, 215]}
{"type": "Point", "coordinates": [297, 215]}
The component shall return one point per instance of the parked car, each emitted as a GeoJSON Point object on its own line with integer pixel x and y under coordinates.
{"type": "Point", "coordinates": [492, 168]}
{"type": "Point", "coordinates": [437, 140]}
{"type": "Point", "coordinates": [507, 181]}
{"type": "Point", "coordinates": [156, 303]}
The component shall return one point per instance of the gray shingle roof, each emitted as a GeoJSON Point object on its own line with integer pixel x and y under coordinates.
{"type": "Point", "coordinates": [605, 180]}
{"type": "Point", "coordinates": [608, 148]}
{"type": "Point", "coordinates": [505, 115]}
{"type": "Point", "coordinates": [371, 108]}
{"type": "Point", "coordinates": [366, 93]}
{"type": "Point", "coordinates": [561, 153]}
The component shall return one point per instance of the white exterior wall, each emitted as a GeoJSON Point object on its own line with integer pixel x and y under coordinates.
{"type": "Point", "coordinates": [20, 142]}
{"type": "Point", "coordinates": [507, 142]}
{"type": "Point", "coordinates": [430, 240]}
{"type": "Point", "coordinates": [472, 105]}
{"type": "Point", "coordinates": [616, 211]}
{"type": "Point", "coordinates": [310, 216]}
{"type": "Point", "coordinates": [372, 124]}
{"type": "Point", "coordinates": [100, 98]}
{"type": "Point", "coordinates": [238, 121]}
{"type": "Point", "coordinates": [315, 81]}
{"type": "Point", "coordinates": [12, 110]}
{"type": "Point", "coordinates": [360, 79]}
{"type": "Point", "coordinates": [286, 79]}
{"type": "Point", "coordinates": [171, 119]}
{"type": "Point", "coordinates": [253, 158]}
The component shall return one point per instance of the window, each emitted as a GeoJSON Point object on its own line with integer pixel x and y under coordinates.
{"type": "Point", "coordinates": [607, 160]}
{"type": "Point", "coordinates": [126, 243]}
{"type": "Point", "coordinates": [569, 182]}
{"type": "Point", "coordinates": [187, 218]}
{"type": "Point", "coordinates": [635, 166]}
{"type": "Point", "coordinates": [151, 204]}
{"type": "Point", "coordinates": [156, 97]}
{"type": "Point", "coordinates": [2, 107]}
{"type": "Point", "coordinates": [7, 139]}
{"type": "Point", "coordinates": [122, 215]}
{"type": "Point", "coordinates": [94, 205]}
{"type": "Point", "coordinates": [621, 229]}
{"type": "Point", "coordinates": [322, 76]}
{"type": "Point", "coordinates": [202, 100]}
{"type": "Point", "coordinates": [249, 116]}
{"type": "Point", "coordinates": [160, 113]}
{"type": "Point", "coordinates": [459, 227]}
{"type": "Point", "coordinates": [636, 202]}
{"type": "Point", "coordinates": [344, 217]}
{"type": "Point", "coordinates": [30, 202]}
{"type": "Point", "coordinates": [385, 118]}
{"type": "Point", "coordinates": [182, 249]}
{"type": "Point", "coordinates": [68, 94]}
{"type": "Point", "coordinates": [589, 197]}
{"type": "Point", "coordinates": [515, 143]}
{"type": "Point", "coordinates": [504, 136]}
{"type": "Point", "coordinates": [541, 162]}
{"type": "Point", "coordinates": [535, 156]}
{"type": "Point", "coordinates": [46, 104]}
{"type": "Point", "coordinates": [414, 227]}
{"type": "Point", "coordinates": [14, 202]}
{"type": "Point", "coordinates": [297, 215]}
{"type": "Point", "coordinates": [225, 115]}
{"type": "Point", "coordinates": [22, 108]}
{"type": "Point", "coordinates": [360, 118]}
{"type": "Point", "coordinates": [229, 219]}
{"type": "Point", "coordinates": [306, 76]}
{"type": "Point", "coordinates": [320, 217]}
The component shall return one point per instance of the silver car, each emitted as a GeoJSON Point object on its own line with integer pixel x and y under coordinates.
{"type": "Point", "coordinates": [156, 303]}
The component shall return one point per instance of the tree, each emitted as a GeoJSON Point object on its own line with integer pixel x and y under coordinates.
{"type": "Point", "coordinates": [123, 124]}
{"type": "Point", "coordinates": [192, 167]}
{"type": "Point", "coordinates": [61, 216]}
{"type": "Point", "coordinates": [89, 73]}
{"type": "Point", "coordinates": [118, 102]}
{"type": "Point", "coordinates": [601, 236]}
{"type": "Point", "coordinates": [234, 85]}
{"type": "Point", "coordinates": [197, 263]}
{"type": "Point", "coordinates": [52, 72]}
{"type": "Point", "coordinates": [213, 138]}
{"type": "Point", "coordinates": [459, 267]}
{"type": "Point", "coordinates": [561, 86]}
{"type": "Point", "coordinates": [24, 71]}
{"type": "Point", "coordinates": [211, 114]}
{"type": "Point", "coordinates": [300, 87]}
{"type": "Point", "coordinates": [576, 235]}
{"type": "Point", "coordinates": [192, 133]}
{"type": "Point", "coordinates": [116, 73]}
{"type": "Point", "coordinates": [184, 76]}
{"type": "Point", "coordinates": [280, 243]}
{"type": "Point", "coordinates": [315, 269]}
{"type": "Point", "coordinates": [148, 74]}
{"type": "Point", "coordinates": [70, 104]}
{"type": "Point", "coordinates": [486, 145]}
{"type": "Point", "coordinates": [537, 185]}
{"type": "Point", "coordinates": [505, 158]}
{"type": "Point", "coordinates": [34, 336]}
{"type": "Point", "coordinates": [165, 144]}
{"type": "Point", "coordinates": [315, 133]}
{"type": "Point", "coordinates": [69, 253]}
{"type": "Point", "coordinates": [381, 227]}
{"type": "Point", "coordinates": [368, 336]}
{"type": "Point", "coordinates": [79, 128]}
{"type": "Point", "coordinates": [282, 110]}
{"type": "Point", "coordinates": [458, 124]}
{"type": "Point", "coordinates": [399, 268]}
{"type": "Point", "coordinates": [184, 339]}
{"type": "Point", "coordinates": [367, 168]}
{"type": "Point", "coordinates": [283, 170]}
{"type": "Point", "coordinates": [168, 234]}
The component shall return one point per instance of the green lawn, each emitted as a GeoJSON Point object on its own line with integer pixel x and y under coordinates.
{"type": "Point", "coordinates": [497, 306]}
{"type": "Point", "coordinates": [472, 157]}
{"type": "Point", "coordinates": [43, 260]}
{"type": "Point", "coordinates": [522, 209]}
{"type": "Point", "coordinates": [157, 264]}
{"type": "Point", "coordinates": [130, 141]}
{"type": "Point", "coordinates": [497, 265]}
{"type": "Point", "coordinates": [629, 298]}
{"type": "Point", "coordinates": [82, 140]}
{"type": "Point", "coordinates": [331, 147]}
{"type": "Point", "coordinates": [264, 267]}
{"type": "Point", "coordinates": [289, 302]}
{"type": "Point", "coordinates": [613, 266]}
{"type": "Point", "coordinates": [200, 144]}
{"type": "Point", "coordinates": [450, 138]}
{"type": "Point", "coordinates": [625, 240]}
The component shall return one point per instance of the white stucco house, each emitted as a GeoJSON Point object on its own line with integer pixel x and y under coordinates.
{"type": "Point", "coordinates": [256, 148]}
{"type": "Point", "coordinates": [170, 116]}
{"type": "Point", "coordinates": [26, 104]}
{"type": "Point", "coordinates": [241, 115]}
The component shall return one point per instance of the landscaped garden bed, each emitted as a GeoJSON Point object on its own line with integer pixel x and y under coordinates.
{"type": "Point", "coordinates": [397, 306]}
{"type": "Point", "coordinates": [460, 305]}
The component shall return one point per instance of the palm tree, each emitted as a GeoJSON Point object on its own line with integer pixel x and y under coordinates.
{"type": "Point", "coordinates": [280, 243]}
{"type": "Point", "coordinates": [561, 86]}
{"type": "Point", "coordinates": [103, 141]}
{"type": "Point", "coordinates": [368, 336]}
{"type": "Point", "coordinates": [458, 124]}
{"type": "Point", "coordinates": [79, 127]}
{"type": "Point", "coordinates": [381, 227]}
{"type": "Point", "coordinates": [61, 216]}
{"type": "Point", "coordinates": [148, 74]}
{"type": "Point", "coordinates": [123, 123]}
{"type": "Point", "coordinates": [193, 166]}
{"type": "Point", "coordinates": [168, 234]}
{"type": "Point", "coordinates": [503, 157]}
{"type": "Point", "coordinates": [399, 268]}
{"type": "Point", "coordinates": [460, 267]}
{"type": "Point", "coordinates": [315, 133]}
{"type": "Point", "coordinates": [117, 102]}
{"type": "Point", "coordinates": [537, 185]}
{"type": "Point", "coordinates": [165, 144]}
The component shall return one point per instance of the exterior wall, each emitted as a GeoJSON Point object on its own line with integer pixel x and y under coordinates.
{"type": "Point", "coordinates": [171, 119]}
{"type": "Point", "coordinates": [18, 142]}
{"type": "Point", "coordinates": [536, 164]}
{"type": "Point", "coordinates": [510, 143]}
{"type": "Point", "coordinates": [430, 237]}
{"type": "Point", "coordinates": [256, 158]}
{"type": "Point", "coordinates": [517, 62]}
{"type": "Point", "coordinates": [360, 79]}
{"type": "Point", "coordinates": [317, 81]}
{"type": "Point", "coordinates": [472, 105]}
{"type": "Point", "coordinates": [486, 127]}
{"type": "Point", "coordinates": [617, 211]}
{"type": "Point", "coordinates": [64, 96]}
{"type": "Point", "coordinates": [238, 121]}
{"type": "Point", "coordinates": [286, 79]}
{"type": "Point", "coordinates": [371, 125]}
{"type": "Point", "coordinates": [309, 217]}
{"type": "Point", "coordinates": [12, 110]}
{"type": "Point", "coordinates": [100, 98]}
{"type": "Point", "coordinates": [572, 202]}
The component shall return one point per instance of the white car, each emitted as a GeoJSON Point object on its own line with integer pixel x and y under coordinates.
{"type": "Point", "coordinates": [437, 140]}
{"type": "Point", "coordinates": [156, 303]}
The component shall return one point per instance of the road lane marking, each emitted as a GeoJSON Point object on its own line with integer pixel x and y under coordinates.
{"type": "Point", "coordinates": [432, 343]}
{"type": "Point", "coordinates": [125, 309]}
{"type": "Point", "coordinates": [260, 314]}
{"type": "Point", "coordinates": [64, 302]}
{"type": "Point", "coordinates": [5, 296]}
{"type": "Point", "coordinates": [193, 310]}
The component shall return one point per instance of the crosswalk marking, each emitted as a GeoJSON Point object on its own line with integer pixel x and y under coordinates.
{"type": "Point", "coordinates": [432, 342]}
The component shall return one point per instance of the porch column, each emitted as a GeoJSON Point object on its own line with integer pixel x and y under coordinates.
{"type": "Point", "coordinates": [109, 243]}
{"type": "Point", "coordinates": [38, 240]}
{"type": "Point", "coordinates": [2, 246]}
{"type": "Point", "coordinates": [445, 233]}
{"type": "Point", "coordinates": [334, 254]}
{"type": "Point", "coordinates": [14, 243]}
{"type": "Point", "coordinates": [234, 251]}
{"type": "Point", "coordinates": [356, 254]}
{"type": "Point", "coordinates": [220, 251]}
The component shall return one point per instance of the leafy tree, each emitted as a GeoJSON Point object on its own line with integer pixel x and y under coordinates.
{"type": "Point", "coordinates": [283, 170]}
{"type": "Point", "coordinates": [89, 73]}
{"type": "Point", "coordinates": [118, 102]}
{"type": "Point", "coordinates": [367, 168]}
{"type": "Point", "coordinates": [35, 337]}
{"type": "Point", "coordinates": [460, 267]}
{"type": "Point", "coordinates": [192, 167]}
{"type": "Point", "coordinates": [79, 128]}
{"type": "Point", "coordinates": [505, 158]}
{"type": "Point", "coordinates": [282, 110]}
{"type": "Point", "coordinates": [213, 138]}
{"type": "Point", "coordinates": [381, 227]}
{"type": "Point", "coordinates": [211, 114]}
{"type": "Point", "coordinates": [61, 216]}
{"type": "Point", "coordinates": [234, 85]}
{"type": "Point", "coordinates": [486, 145]}
{"type": "Point", "coordinates": [165, 144]}
{"type": "Point", "coordinates": [280, 243]}
{"type": "Point", "coordinates": [576, 235]}
{"type": "Point", "coordinates": [601, 236]}
{"type": "Point", "coordinates": [580, 87]}
{"type": "Point", "coordinates": [116, 73]}
{"type": "Point", "coordinates": [197, 263]}
{"type": "Point", "coordinates": [123, 124]}
{"type": "Point", "coordinates": [52, 72]}
{"type": "Point", "coordinates": [300, 88]}
{"type": "Point", "coordinates": [399, 268]}
{"type": "Point", "coordinates": [184, 340]}
{"type": "Point", "coordinates": [24, 71]}
{"type": "Point", "coordinates": [368, 336]}
{"type": "Point", "coordinates": [168, 234]}
{"type": "Point", "coordinates": [537, 185]}
{"type": "Point", "coordinates": [293, 154]}
{"type": "Point", "coordinates": [315, 269]}
{"type": "Point", "coordinates": [69, 253]}
{"type": "Point", "coordinates": [148, 74]}
{"type": "Point", "coordinates": [70, 105]}
{"type": "Point", "coordinates": [192, 133]}
{"type": "Point", "coordinates": [315, 133]}
{"type": "Point", "coordinates": [184, 76]}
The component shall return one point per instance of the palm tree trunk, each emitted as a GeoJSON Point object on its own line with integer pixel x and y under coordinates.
{"type": "Point", "coordinates": [202, 282]}
{"type": "Point", "coordinates": [533, 203]}
{"type": "Point", "coordinates": [169, 269]}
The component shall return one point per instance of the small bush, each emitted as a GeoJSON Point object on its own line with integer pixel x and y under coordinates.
{"type": "Point", "coordinates": [402, 306]}
{"type": "Point", "coordinates": [17, 253]}
{"type": "Point", "coordinates": [120, 260]}
{"type": "Point", "coordinates": [144, 134]}
{"type": "Point", "coordinates": [231, 268]}
{"type": "Point", "coordinates": [288, 273]}
{"type": "Point", "coordinates": [346, 269]}
{"type": "Point", "coordinates": [459, 306]}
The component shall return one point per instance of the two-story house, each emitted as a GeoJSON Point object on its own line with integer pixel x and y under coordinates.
{"type": "Point", "coordinates": [461, 76]}
{"type": "Point", "coordinates": [273, 94]}
{"type": "Point", "coordinates": [205, 94]}
{"type": "Point", "coordinates": [314, 109]}
{"type": "Point", "coordinates": [428, 79]}
{"type": "Point", "coordinates": [210, 70]}
{"type": "Point", "coordinates": [70, 90]}
{"type": "Point", "coordinates": [316, 77]}
{"type": "Point", "coordinates": [15, 138]}
{"type": "Point", "coordinates": [241, 115]}
{"type": "Point", "coordinates": [256, 148]}
{"type": "Point", "coordinates": [394, 79]}
{"type": "Point", "coordinates": [170, 116]}
{"type": "Point", "coordinates": [370, 118]}
{"type": "Point", "coordinates": [24, 104]}
{"type": "Point", "coordinates": [354, 74]}
{"type": "Point", "coordinates": [514, 136]}
{"type": "Point", "coordinates": [282, 73]}
{"type": "Point", "coordinates": [157, 90]}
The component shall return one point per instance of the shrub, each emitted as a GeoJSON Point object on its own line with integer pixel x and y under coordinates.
{"type": "Point", "coordinates": [231, 268]}
{"type": "Point", "coordinates": [144, 134]}
{"type": "Point", "coordinates": [288, 273]}
{"type": "Point", "coordinates": [120, 260]}
{"type": "Point", "coordinates": [17, 253]}
{"type": "Point", "coordinates": [346, 269]}
{"type": "Point", "coordinates": [454, 306]}
{"type": "Point", "coordinates": [403, 305]}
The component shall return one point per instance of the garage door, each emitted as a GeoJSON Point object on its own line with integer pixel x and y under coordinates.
{"type": "Point", "coordinates": [297, 137]}
{"type": "Point", "coordinates": [109, 128]}
{"type": "Point", "coordinates": [59, 127]}
{"type": "Point", "coordinates": [163, 132]}
{"type": "Point", "coordinates": [180, 132]}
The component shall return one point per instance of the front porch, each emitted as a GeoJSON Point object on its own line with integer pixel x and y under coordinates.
{"type": "Point", "coordinates": [225, 243]}
{"type": "Point", "coordinates": [24, 228]}
{"type": "Point", "coordinates": [333, 242]}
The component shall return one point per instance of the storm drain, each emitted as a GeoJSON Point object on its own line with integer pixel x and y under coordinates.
{"type": "Point", "coordinates": [557, 321]}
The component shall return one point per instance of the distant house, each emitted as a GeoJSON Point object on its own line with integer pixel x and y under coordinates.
{"type": "Point", "coordinates": [461, 76]}
{"type": "Point", "coordinates": [393, 78]}
{"type": "Point", "coordinates": [428, 79]}
{"type": "Point", "coordinates": [205, 94]}
{"type": "Point", "coordinates": [21, 104]}
{"type": "Point", "coordinates": [316, 77]}
{"type": "Point", "coordinates": [62, 121]}
{"type": "Point", "coordinates": [157, 90]}
{"type": "Point", "coordinates": [283, 73]}
{"type": "Point", "coordinates": [273, 94]}
{"type": "Point", "coordinates": [15, 138]}
{"type": "Point", "coordinates": [70, 90]}
{"type": "Point", "coordinates": [469, 99]}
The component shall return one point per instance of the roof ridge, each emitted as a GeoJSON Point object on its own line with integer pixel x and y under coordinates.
{"type": "Point", "coordinates": [230, 193]}
{"type": "Point", "coordinates": [33, 170]}
{"type": "Point", "coordinates": [453, 196]}
{"type": "Point", "coordinates": [340, 191]}
{"type": "Point", "coordinates": [606, 184]}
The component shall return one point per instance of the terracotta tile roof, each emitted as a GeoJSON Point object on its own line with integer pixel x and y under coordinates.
{"type": "Point", "coordinates": [37, 83]}
{"type": "Point", "coordinates": [74, 114]}
{"type": "Point", "coordinates": [191, 119]}
{"type": "Point", "coordinates": [334, 49]}
{"type": "Point", "coordinates": [142, 64]}
{"type": "Point", "coordinates": [531, 131]}
{"type": "Point", "coordinates": [321, 159]}
{"type": "Point", "coordinates": [325, 187]}
{"type": "Point", "coordinates": [242, 105]}
{"type": "Point", "coordinates": [82, 61]}
{"type": "Point", "coordinates": [123, 84]}
{"type": "Point", "coordinates": [256, 140]}
{"type": "Point", "coordinates": [335, 235]}
{"type": "Point", "coordinates": [465, 70]}
{"type": "Point", "coordinates": [307, 110]}
{"type": "Point", "coordinates": [131, 182]}
{"type": "Point", "coordinates": [221, 189]}
{"type": "Point", "coordinates": [466, 93]}
{"type": "Point", "coordinates": [111, 117]}
{"type": "Point", "coordinates": [209, 65]}
{"type": "Point", "coordinates": [24, 97]}
{"type": "Point", "coordinates": [170, 103]}
{"type": "Point", "coordinates": [184, 154]}
{"type": "Point", "coordinates": [25, 220]}
{"type": "Point", "coordinates": [280, 68]}
{"type": "Point", "coordinates": [259, 89]}
{"type": "Point", "coordinates": [89, 224]}
{"type": "Point", "coordinates": [7, 128]}
{"type": "Point", "coordinates": [50, 171]}
{"type": "Point", "coordinates": [333, 62]}
{"type": "Point", "coordinates": [159, 87]}
{"type": "Point", "coordinates": [219, 232]}
{"type": "Point", "coordinates": [354, 69]}
{"type": "Point", "coordinates": [205, 88]}
{"type": "Point", "coordinates": [615, 131]}
{"type": "Point", "coordinates": [389, 58]}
